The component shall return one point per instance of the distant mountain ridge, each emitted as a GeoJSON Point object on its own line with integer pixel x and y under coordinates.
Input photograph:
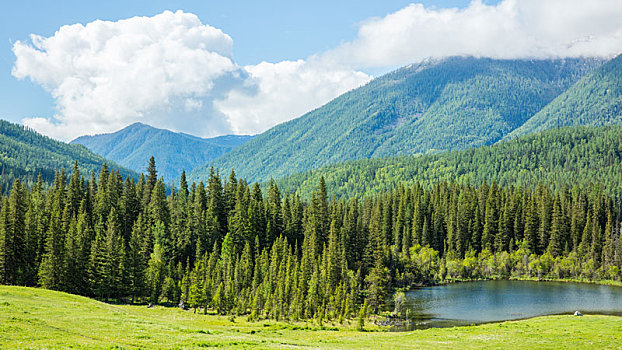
{"type": "Point", "coordinates": [133, 145]}
{"type": "Point", "coordinates": [596, 99]}
{"type": "Point", "coordinates": [447, 104]}
{"type": "Point", "coordinates": [25, 154]}
{"type": "Point", "coordinates": [567, 156]}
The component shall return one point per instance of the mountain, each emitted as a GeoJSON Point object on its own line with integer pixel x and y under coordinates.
{"type": "Point", "coordinates": [25, 154]}
{"type": "Point", "coordinates": [134, 145]}
{"type": "Point", "coordinates": [570, 155]}
{"type": "Point", "coordinates": [453, 103]}
{"type": "Point", "coordinates": [596, 99]}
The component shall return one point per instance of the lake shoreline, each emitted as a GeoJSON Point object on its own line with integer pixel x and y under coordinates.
{"type": "Point", "coordinates": [392, 328]}
{"type": "Point", "coordinates": [41, 318]}
{"type": "Point", "coordinates": [534, 279]}
{"type": "Point", "coordinates": [492, 301]}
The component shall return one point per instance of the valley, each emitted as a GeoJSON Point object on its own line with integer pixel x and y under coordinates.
{"type": "Point", "coordinates": [454, 191]}
{"type": "Point", "coordinates": [439, 105]}
{"type": "Point", "coordinates": [134, 145]}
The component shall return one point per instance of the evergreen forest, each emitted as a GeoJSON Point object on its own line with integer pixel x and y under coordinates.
{"type": "Point", "coordinates": [132, 146]}
{"type": "Point", "coordinates": [25, 155]}
{"type": "Point", "coordinates": [569, 155]}
{"type": "Point", "coordinates": [437, 105]}
{"type": "Point", "coordinates": [228, 247]}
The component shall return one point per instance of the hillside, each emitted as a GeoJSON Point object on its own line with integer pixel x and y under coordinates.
{"type": "Point", "coordinates": [25, 154]}
{"type": "Point", "coordinates": [38, 318]}
{"type": "Point", "coordinates": [454, 103]}
{"type": "Point", "coordinates": [572, 155]}
{"type": "Point", "coordinates": [134, 145]}
{"type": "Point", "coordinates": [594, 100]}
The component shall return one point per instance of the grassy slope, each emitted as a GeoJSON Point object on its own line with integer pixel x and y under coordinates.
{"type": "Point", "coordinates": [37, 318]}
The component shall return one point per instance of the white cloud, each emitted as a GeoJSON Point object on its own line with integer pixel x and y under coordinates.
{"type": "Point", "coordinates": [105, 75]}
{"type": "Point", "coordinates": [284, 91]}
{"type": "Point", "coordinates": [510, 29]}
{"type": "Point", "coordinates": [192, 104]}
{"type": "Point", "coordinates": [172, 71]}
{"type": "Point", "coordinates": [166, 70]}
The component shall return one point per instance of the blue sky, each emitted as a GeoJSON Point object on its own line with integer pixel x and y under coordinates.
{"type": "Point", "coordinates": [262, 30]}
{"type": "Point", "coordinates": [341, 41]}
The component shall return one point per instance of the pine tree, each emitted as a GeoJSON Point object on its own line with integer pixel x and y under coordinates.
{"type": "Point", "coordinates": [196, 295]}
{"type": "Point", "coordinates": [5, 243]}
{"type": "Point", "coordinates": [136, 258]}
{"type": "Point", "coordinates": [230, 249]}
{"type": "Point", "coordinates": [82, 240]}
{"type": "Point", "coordinates": [150, 182]}
{"type": "Point", "coordinates": [577, 220]}
{"type": "Point", "coordinates": [608, 246]}
{"type": "Point", "coordinates": [545, 211]}
{"type": "Point", "coordinates": [129, 208]}
{"type": "Point", "coordinates": [239, 227]}
{"type": "Point", "coordinates": [362, 317]}
{"type": "Point", "coordinates": [216, 204]}
{"type": "Point", "coordinates": [352, 239]}
{"type": "Point", "coordinates": [102, 198]}
{"type": "Point", "coordinates": [274, 224]}
{"type": "Point", "coordinates": [51, 266]}
{"type": "Point", "coordinates": [115, 267]}
{"type": "Point", "coordinates": [98, 263]}
{"type": "Point", "coordinates": [155, 274]}
{"type": "Point", "coordinates": [183, 185]}
{"type": "Point", "coordinates": [71, 274]}
{"type": "Point", "coordinates": [36, 227]}
{"type": "Point", "coordinates": [597, 241]}
{"type": "Point", "coordinates": [256, 217]}
{"type": "Point", "coordinates": [531, 226]}
{"type": "Point", "coordinates": [491, 221]}
{"type": "Point", "coordinates": [229, 193]}
{"type": "Point", "coordinates": [558, 230]}
{"type": "Point", "coordinates": [13, 264]}
{"type": "Point", "coordinates": [74, 191]}
{"type": "Point", "coordinates": [333, 263]}
{"type": "Point", "coordinates": [506, 226]}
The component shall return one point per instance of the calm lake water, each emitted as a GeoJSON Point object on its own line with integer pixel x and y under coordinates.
{"type": "Point", "coordinates": [490, 301]}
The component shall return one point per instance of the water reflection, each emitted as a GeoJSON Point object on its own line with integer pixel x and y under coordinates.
{"type": "Point", "coordinates": [489, 301]}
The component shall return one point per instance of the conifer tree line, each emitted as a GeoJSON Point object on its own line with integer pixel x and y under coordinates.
{"type": "Point", "coordinates": [226, 247]}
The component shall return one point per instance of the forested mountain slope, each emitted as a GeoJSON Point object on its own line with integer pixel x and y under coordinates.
{"type": "Point", "coordinates": [595, 100]}
{"type": "Point", "coordinates": [454, 103]}
{"type": "Point", "coordinates": [25, 154]}
{"type": "Point", "coordinates": [134, 145]}
{"type": "Point", "coordinates": [571, 155]}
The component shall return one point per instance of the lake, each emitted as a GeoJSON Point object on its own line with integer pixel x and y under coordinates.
{"type": "Point", "coordinates": [489, 301]}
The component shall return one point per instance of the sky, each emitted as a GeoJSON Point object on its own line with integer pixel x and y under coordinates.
{"type": "Point", "coordinates": [210, 68]}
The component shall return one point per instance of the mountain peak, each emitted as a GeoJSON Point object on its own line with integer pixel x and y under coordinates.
{"type": "Point", "coordinates": [136, 125]}
{"type": "Point", "coordinates": [439, 104]}
{"type": "Point", "coordinates": [593, 100]}
{"type": "Point", "coordinates": [133, 145]}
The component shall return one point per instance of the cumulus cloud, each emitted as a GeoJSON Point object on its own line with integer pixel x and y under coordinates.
{"type": "Point", "coordinates": [173, 71]}
{"type": "Point", "coordinates": [509, 29]}
{"type": "Point", "coordinates": [166, 70]}
{"type": "Point", "coordinates": [105, 75]}
{"type": "Point", "coordinates": [284, 91]}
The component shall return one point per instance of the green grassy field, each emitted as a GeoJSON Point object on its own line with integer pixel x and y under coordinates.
{"type": "Point", "coordinates": [38, 318]}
